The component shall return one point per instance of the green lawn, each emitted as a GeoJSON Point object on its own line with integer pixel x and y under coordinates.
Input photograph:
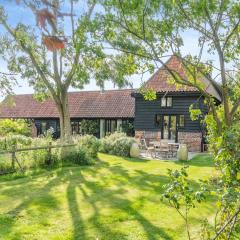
{"type": "Point", "coordinates": [115, 199]}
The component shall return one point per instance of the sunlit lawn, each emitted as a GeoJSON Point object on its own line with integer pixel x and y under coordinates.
{"type": "Point", "coordinates": [115, 199]}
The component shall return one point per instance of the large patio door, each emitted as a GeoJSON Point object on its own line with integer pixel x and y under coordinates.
{"type": "Point", "coordinates": [169, 127]}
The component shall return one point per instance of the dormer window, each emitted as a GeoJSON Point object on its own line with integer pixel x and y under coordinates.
{"type": "Point", "coordinates": [166, 102]}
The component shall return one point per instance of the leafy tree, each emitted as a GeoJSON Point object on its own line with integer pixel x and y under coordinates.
{"type": "Point", "coordinates": [7, 81]}
{"type": "Point", "coordinates": [59, 52]}
{"type": "Point", "coordinates": [151, 31]}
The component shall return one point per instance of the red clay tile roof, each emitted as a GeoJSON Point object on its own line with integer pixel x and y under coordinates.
{"type": "Point", "coordinates": [160, 79]}
{"type": "Point", "coordinates": [86, 104]}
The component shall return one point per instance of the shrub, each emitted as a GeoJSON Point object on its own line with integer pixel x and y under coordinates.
{"type": "Point", "coordinates": [123, 145]}
{"type": "Point", "coordinates": [83, 154]}
{"type": "Point", "coordinates": [90, 143]}
{"type": "Point", "coordinates": [36, 158]}
{"type": "Point", "coordinates": [40, 156]}
{"type": "Point", "coordinates": [117, 144]}
{"type": "Point", "coordinates": [78, 155]}
{"type": "Point", "coordinates": [107, 143]}
{"type": "Point", "coordinates": [14, 127]}
{"type": "Point", "coordinates": [27, 159]}
{"type": "Point", "coordinates": [8, 142]}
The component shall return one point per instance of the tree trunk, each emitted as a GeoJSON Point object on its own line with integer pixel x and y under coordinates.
{"type": "Point", "coordinates": [65, 122]}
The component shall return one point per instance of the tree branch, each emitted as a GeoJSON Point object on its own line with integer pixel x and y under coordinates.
{"type": "Point", "coordinates": [231, 34]}
{"type": "Point", "coordinates": [78, 53]}
{"type": "Point", "coordinates": [72, 22]}
{"type": "Point", "coordinates": [217, 44]}
{"type": "Point", "coordinates": [235, 108]}
{"type": "Point", "coordinates": [226, 224]}
{"type": "Point", "coordinates": [34, 61]}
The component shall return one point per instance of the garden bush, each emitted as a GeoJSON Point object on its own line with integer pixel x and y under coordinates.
{"type": "Point", "coordinates": [84, 153]}
{"type": "Point", "coordinates": [117, 144]}
{"type": "Point", "coordinates": [90, 143]}
{"type": "Point", "coordinates": [78, 155]}
{"type": "Point", "coordinates": [107, 143]}
{"type": "Point", "coordinates": [41, 157]}
{"type": "Point", "coordinates": [27, 159]}
{"type": "Point", "coordinates": [8, 142]}
{"type": "Point", "coordinates": [15, 127]}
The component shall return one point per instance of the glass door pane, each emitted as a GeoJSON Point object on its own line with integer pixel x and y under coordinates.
{"type": "Point", "coordinates": [108, 126]}
{"type": "Point", "coordinates": [173, 127]}
{"type": "Point", "coordinates": [113, 126]}
{"type": "Point", "coordinates": [165, 127]}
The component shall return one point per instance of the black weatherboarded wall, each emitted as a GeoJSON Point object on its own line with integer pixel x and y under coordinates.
{"type": "Point", "coordinates": [145, 111]}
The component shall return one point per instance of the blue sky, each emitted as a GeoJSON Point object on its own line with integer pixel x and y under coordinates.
{"type": "Point", "coordinates": [16, 14]}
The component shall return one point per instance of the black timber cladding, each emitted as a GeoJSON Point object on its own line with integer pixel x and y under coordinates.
{"type": "Point", "coordinates": [145, 111]}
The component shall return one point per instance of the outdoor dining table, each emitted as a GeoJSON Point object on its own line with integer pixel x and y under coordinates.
{"type": "Point", "coordinates": [158, 143]}
{"type": "Point", "coordinates": [154, 143]}
{"type": "Point", "coordinates": [174, 143]}
{"type": "Point", "coordinates": [172, 146]}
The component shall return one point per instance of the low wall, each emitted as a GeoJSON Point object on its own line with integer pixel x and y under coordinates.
{"type": "Point", "coordinates": [192, 139]}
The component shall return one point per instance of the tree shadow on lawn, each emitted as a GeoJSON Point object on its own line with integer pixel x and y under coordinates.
{"type": "Point", "coordinates": [6, 224]}
{"type": "Point", "coordinates": [37, 195]}
{"type": "Point", "coordinates": [79, 231]}
{"type": "Point", "coordinates": [112, 198]}
{"type": "Point", "coordinates": [100, 194]}
{"type": "Point", "coordinates": [31, 194]}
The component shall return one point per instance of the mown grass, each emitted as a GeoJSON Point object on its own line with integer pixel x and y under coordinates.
{"type": "Point", "coordinates": [116, 199]}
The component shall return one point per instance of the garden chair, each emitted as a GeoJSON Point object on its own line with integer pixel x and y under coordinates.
{"type": "Point", "coordinates": [163, 149]}
{"type": "Point", "coordinates": [173, 150]}
{"type": "Point", "coordinates": [149, 149]}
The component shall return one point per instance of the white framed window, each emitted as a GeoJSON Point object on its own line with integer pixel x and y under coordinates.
{"type": "Point", "coordinates": [166, 102]}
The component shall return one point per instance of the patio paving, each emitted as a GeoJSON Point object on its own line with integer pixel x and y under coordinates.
{"type": "Point", "coordinates": [144, 155]}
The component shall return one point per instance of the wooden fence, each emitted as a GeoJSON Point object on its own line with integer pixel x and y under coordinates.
{"type": "Point", "coordinates": [15, 150]}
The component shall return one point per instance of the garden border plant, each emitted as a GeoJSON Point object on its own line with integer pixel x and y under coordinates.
{"type": "Point", "coordinates": [44, 152]}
